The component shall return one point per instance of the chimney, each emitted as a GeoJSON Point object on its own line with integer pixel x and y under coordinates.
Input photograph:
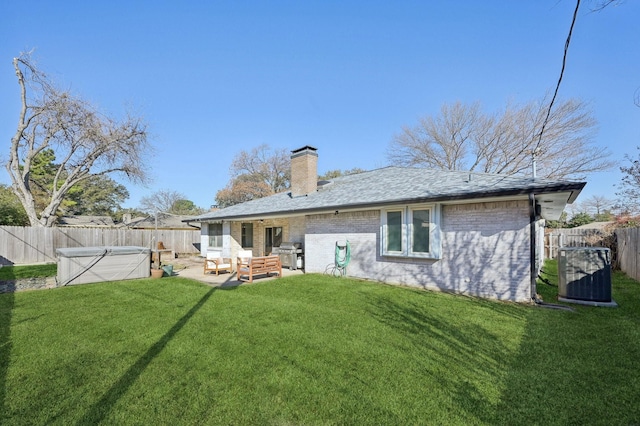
{"type": "Point", "coordinates": [304, 170]}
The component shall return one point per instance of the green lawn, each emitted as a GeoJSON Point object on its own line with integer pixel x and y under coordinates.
{"type": "Point", "coordinates": [30, 271]}
{"type": "Point", "coordinates": [313, 350]}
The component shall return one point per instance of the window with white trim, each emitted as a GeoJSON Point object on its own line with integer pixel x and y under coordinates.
{"type": "Point", "coordinates": [411, 231]}
{"type": "Point", "coordinates": [215, 235]}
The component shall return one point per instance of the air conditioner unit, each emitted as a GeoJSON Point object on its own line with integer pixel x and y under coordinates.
{"type": "Point", "coordinates": [584, 275]}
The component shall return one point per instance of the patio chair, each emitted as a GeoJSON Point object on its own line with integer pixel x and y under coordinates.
{"type": "Point", "coordinates": [215, 262]}
{"type": "Point", "coordinates": [245, 255]}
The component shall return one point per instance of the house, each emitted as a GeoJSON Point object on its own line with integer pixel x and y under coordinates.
{"type": "Point", "coordinates": [470, 233]}
{"type": "Point", "coordinates": [84, 221]}
{"type": "Point", "coordinates": [160, 221]}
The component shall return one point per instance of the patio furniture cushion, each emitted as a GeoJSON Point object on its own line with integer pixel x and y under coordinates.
{"type": "Point", "coordinates": [215, 262]}
{"type": "Point", "coordinates": [245, 255]}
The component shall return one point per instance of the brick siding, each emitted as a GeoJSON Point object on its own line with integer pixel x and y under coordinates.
{"type": "Point", "coordinates": [485, 250]}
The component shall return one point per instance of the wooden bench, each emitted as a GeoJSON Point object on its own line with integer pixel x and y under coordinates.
{"type": "Point", "coordinates": [249, 267]}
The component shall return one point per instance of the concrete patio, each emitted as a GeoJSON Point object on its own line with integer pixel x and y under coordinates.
{"type": "Point", "coordinates": [193, 268]}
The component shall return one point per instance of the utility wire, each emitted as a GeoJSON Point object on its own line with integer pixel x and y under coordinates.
{"type": "Point", "coordinates": [564, 63]}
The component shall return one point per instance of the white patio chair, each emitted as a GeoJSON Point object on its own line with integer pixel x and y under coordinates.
{"type": "Point", "coordinates": [215, 262]}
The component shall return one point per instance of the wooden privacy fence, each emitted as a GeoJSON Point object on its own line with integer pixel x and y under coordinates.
{"type": "Point", "coordinates": [629, 251]}
{"type": "Point", "coordinates": [625, 247]}
{"type": "Point", "coordinates": [563, 237]}
{"type": "Point", "coordinates": [25, 245]}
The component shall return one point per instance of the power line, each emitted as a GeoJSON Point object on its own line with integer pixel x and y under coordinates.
{"type": "Point", "coordinates": [564, 63]}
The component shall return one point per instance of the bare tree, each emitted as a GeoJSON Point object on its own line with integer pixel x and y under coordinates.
{"type": "Point", "coordinates": [242, 189]}
{"type": "Point", "coordinates": [557, 139]}
{"type": "Point", "coordinates": [271, 166]}
{"type": "Point", "coordinates": [160, 201]}
{"type": "Point", "coordinates": [255, 174]}
{"type": "Point", "coordinates": [629, 189]}
{"type": "Point", "coordinates": [441, 142]}
{"type": "Point", "coordinates": [597, 205]}
{"type": "Point", "coordinates": [575, 209]}
{"type": "Point", "coordinates": [87, 142]}
{"type": "Point", "coordinates": [599, 5]}
{"type": "Point", "coordinates": [465, 138]}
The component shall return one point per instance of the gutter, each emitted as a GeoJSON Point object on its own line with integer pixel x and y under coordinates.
{"type": "Point", "coordinates": [574, 188]}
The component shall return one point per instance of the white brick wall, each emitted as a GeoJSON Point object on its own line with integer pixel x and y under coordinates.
{"type": "Point", "coordinates": [485, 250]}
{"type": "Point", "coordinates": [323, 231]}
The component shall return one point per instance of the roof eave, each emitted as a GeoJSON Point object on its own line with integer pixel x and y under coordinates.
{"type": "Point", "coordinates": [573, 187]}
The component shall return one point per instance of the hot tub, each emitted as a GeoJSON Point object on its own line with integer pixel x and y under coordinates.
{"type": "Point", "coordinates": [82, 265]}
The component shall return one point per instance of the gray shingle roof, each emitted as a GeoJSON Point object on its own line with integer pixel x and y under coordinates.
{"type": "Point", "coordinates": [165, 221]}
{"type": "Point", "coordinates": [391, 185]}
{"type": "Point", "coordinates": [86, 221]}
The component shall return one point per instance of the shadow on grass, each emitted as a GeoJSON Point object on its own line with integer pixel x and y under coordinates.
{"type": "Point", "coordinates": [471, 347]}
{"type": "Point", "coordinates": [576, 367]}
{"type": "Point", "coordinates": [101, 408]}
{"type": "Point", "coordinates": [7, 301]}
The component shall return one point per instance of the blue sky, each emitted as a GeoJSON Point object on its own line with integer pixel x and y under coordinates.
{"type": "Point", "coordinates": [215, 77]}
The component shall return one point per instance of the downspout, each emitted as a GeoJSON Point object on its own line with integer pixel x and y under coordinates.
{"type": "Point", "coordinates": [532, 247]}
{"type": "Point", "coordinates": [532, 254]}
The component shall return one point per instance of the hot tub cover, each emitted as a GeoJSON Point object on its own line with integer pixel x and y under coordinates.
{"type": "Point", "coordinates": [98, 251]}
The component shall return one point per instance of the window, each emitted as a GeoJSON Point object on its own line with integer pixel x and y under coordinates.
{"type": "Point", "coordinates": [272, 238]}
{"type": "Point", "coordinates": [420, 227]}
{"type": "Point", "coordinates": [247, 235]}
{"type": "Point", "coordinates": [215, 235]}
{"type": "Point", "coordinates": [411, 231]}
{"type": "Point", "coordinates": [394, 231]}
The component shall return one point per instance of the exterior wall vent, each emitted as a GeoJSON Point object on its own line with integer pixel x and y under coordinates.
{"type": "Point", "coordinates": [584, 275]}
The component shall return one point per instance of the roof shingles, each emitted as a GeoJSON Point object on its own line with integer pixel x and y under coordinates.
{"type": "Point", "coordinates": [392, 185]}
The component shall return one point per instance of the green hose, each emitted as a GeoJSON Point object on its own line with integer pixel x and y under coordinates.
{"type": "Point", "coordinates": [342, 260]}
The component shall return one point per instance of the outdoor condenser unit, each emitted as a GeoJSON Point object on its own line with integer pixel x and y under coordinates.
{"type": "Point", "coordinates": [81, 265]}
{"type": "Point", "coordinates": [584, 274]}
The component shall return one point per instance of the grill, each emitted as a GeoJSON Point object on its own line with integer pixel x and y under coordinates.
{"type": "Point", "coordinates": [289, 253]}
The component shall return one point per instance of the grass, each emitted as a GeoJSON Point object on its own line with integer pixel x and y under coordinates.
{"type": "Point", "coordinates": [312, 350]}
{"type": "Point", "coordinates": [30, 271]}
